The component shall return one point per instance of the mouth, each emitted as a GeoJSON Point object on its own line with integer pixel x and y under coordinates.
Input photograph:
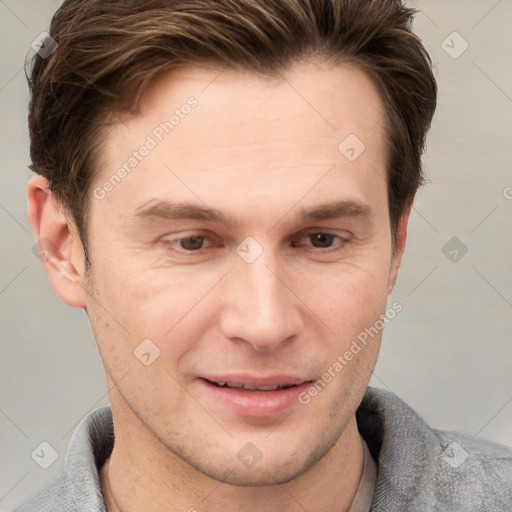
{"type": "Point", "coordinates": [249, 387]}
{"type": "Point", "coordinates": [254, 396]}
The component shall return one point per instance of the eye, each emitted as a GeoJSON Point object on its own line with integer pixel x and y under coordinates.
{"type": "Point", "coordinates": [322, 240]}
{"type": "Point", "coordinates": [192, 243]}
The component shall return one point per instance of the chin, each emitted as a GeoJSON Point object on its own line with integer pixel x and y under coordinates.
{"type": "Point", "coordinates": [253, 477]}
{"type": "Point", "coordinates": [271, 469]}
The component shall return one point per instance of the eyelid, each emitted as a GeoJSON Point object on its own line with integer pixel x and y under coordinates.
{"type": "Point", "coordinates": [173, 241]}
{"type": "Point", "coordinates": [343, 240]}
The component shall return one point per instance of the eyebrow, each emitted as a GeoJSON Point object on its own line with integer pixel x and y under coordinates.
{"type": "Point", "coordinates": [181, 211]}
{"type": "Point", "coordinates": [190, 211]}
{"type": "Point", "coordinates": [335, 210]}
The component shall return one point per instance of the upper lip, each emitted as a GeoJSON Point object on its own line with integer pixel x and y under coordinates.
{"type": "Point", "coordinates": [257, 381]}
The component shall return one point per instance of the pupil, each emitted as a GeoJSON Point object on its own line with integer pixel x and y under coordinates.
{"type": "Point", "coordinates": [192, 242]}
{"type": "Point", "coordinates": [322, 240]}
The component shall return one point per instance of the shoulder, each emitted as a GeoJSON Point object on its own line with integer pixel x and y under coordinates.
{"type": "Point", "coordinates": [54, 497]}
{"type": "Point", "coordinates": [474, 469]}
{"type": "Point", "coordinates": [428, 469]}
{"type": "Point", "coordinates": [78, 487]}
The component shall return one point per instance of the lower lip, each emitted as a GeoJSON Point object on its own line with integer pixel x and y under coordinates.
{"type": "Point", "coordinates": [256, 404]}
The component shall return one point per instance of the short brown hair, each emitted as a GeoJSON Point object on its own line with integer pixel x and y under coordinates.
{"type": "Point", "coordinates": [109, 50]}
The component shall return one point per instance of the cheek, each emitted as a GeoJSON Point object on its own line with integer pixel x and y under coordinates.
{"type": "Point", "coordinates": [160, 305]}
{"type": "Point", "coordinates": [348, 294]}
{"type": "Point", "coordinates": [350, 304]}
{"type": "Point", "coordinates": [136, 323]}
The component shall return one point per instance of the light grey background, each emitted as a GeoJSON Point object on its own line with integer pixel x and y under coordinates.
{"type": "Point", "coordinates": [448, 353]}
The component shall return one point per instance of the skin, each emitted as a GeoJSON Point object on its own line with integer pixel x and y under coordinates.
{"type": "Point", "coordinates": [260, 150]}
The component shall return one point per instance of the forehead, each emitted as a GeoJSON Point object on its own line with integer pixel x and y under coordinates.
{"type": "Point", "coordinates": [319, 99]}
{"type": "Point", "coordinates": [223, 135]}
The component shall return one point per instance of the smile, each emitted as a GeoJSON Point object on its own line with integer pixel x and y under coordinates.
{"type": "Point", "coordinates": [248, 387]}
{"type": "Point", "coordinates": [254, 397]}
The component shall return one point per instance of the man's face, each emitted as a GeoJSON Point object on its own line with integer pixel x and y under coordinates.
{"type": "Point", "coordinates": [277, 308]}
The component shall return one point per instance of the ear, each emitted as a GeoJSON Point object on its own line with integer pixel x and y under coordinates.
{"type": "Point", "coordinates": [58, 243]}
{"type": "Point", "coordinates": [401, 237]}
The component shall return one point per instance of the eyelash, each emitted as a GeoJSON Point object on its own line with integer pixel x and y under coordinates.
{"type": "Point", "coordinates": [171, 244]}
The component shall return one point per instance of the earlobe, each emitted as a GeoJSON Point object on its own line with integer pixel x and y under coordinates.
{"type": "Point", "coordinates": [401, 238]}
{"type": "Point", "coordinates": [58, 243]}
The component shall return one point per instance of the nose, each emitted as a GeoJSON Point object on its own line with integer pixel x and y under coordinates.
{"type": "Point", "coordinates": [259, 306]}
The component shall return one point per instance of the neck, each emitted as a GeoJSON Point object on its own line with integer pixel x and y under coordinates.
{"type": "Point", "coordinates": [142, 474]}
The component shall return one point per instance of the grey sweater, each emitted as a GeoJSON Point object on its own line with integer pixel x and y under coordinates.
{"type": "Point", "coordinates": [420, 469]}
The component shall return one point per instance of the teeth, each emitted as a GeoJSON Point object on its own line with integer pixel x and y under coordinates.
{"type": "Point", "coordinates": [251, 388]}
{"type": "Point", "coordinates": [261, 388]}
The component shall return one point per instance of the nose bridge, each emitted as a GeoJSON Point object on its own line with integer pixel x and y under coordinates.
{"type": "Point", "coordinates": [259, 308]}
{"type": "Point", "coordinates": [265, 291]}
